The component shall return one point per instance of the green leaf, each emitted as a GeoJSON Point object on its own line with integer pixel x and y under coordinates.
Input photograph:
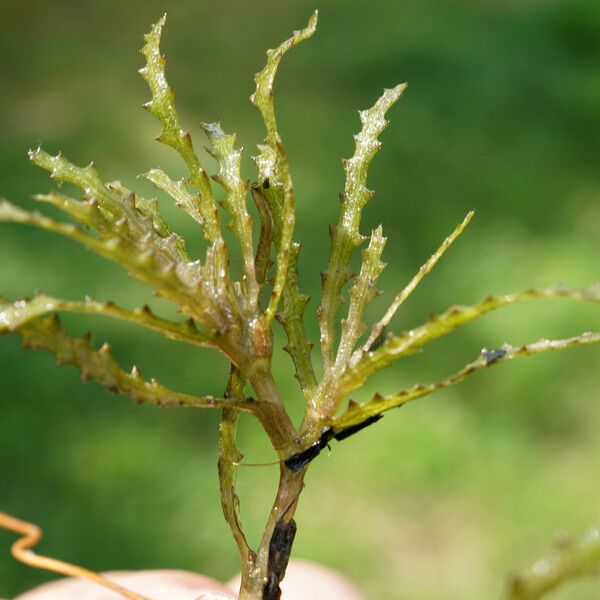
{"type": "Point", "coordinates": [274, 190]}
{"type": "Point", "coordinates": [291, 317]}
{"type": "Point", "coordinates": [99, 365]}
{"type": "Point", "coordinates": [425, 269]}
{"type": "Point", "coordinates": [262, 97]}
{"type": "Point", "coordinates": [119, 213]}
{"type": "Point", "coordinates": [272, 161]}
{"type": "Point", "coordinates": [345, 236]}
{"type": "Point", "coordinates": [84, 211]}
{"type": "Point", "coordinates": [162, 106]}
{"type": "Point", "coordinates": [357, 413]}
{"type": "Point", "coordinates": [148, 210]}
{"type": "Point", "coordinates": [183, 283]}
{"type": "Point", "coordinates": [362, 293]}
{"type": "Point", "coordinates": [178, 191]}
{"type": "Point", "coordinates": [365, 363]}
{"type": "Point", "coordinates": [14, 315]}
{"type": "Point", "coordinates": [265, 239]}
{"type": "Point", "coordinates": [222, 148]}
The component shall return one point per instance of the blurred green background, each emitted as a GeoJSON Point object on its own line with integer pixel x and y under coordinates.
{"type": "Point", "coordinates": [441, 499]}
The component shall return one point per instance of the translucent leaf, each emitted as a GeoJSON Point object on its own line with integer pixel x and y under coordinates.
{"type": "Point", "coordinates": [425, 269]}
{"type": "Point", "coordinates": [357, 413]}
{"type": "Point", "coordinates": [362, 293]}
{"type": "Point", "coordinates": [272, 161]}
{"type": "Point", "coordinates": [262, 97]}
{"type": "Point", "coordinates": [222, 148]}
{"type": "Point", "coordinates": [345, 236]}
{"type": "Point", "coordinates": [120, 213]}
{"type": "Point", "coordinates": [364, 363]}
{"type": "Point", "coordinates": [291, 318]}
{"type": "Point", "coordinates": [162, 106]}
{"type": "Point", "coordinates": [14, 315]}
{"type": "Point", "coordinates": [177, 282]}
{"type": "Point", "coordinates": [274, 190]}
{"type": "Point", "coordinates": [178, 191]}
{"type": "Point", "coordinates": [99, 365]}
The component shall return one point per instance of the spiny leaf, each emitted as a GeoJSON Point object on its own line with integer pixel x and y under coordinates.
{"type": "Point", "coordinates": [145, 208]}
{"type": "Point", "coordinates": [99, 365]}
{"type": "Point", "coordinates": [357, 413]}
{"type": "Point", "coordinates": [362, 293]}
{"type": "Point", "coordinates": [272, 160]}
{"type": "Point", "coordinates": [179, 283]}
{"type": "Point", "coordinates": [275, 190]}
{"type": "Point", "coordinates": [283, 254]}
{"type": "Point", "coordinates": [270, 188]}
{"type": "Point", "coordinates": [86, 178]}
{"type": "Point", "coordinates": [120, 212]}
{"type": "Point", "coordinates": [364, 363]}
{"type": "Point", "coordinates": [262, 97]}
{"type": "Point", "coordinates": [177, 190]}
{"type": "Point", "coordinates": [222, 148]}
{"type": "Point", "coordinates": [345, 236]}
{"type": "Point", "coordinates": [84, 211]}
{"type": "Point", "coordinates": [268, 196]}
{"type": "Point", "coordinates": [291, 318]}
{"type": "Point", "coordinates": [14, 315]}
{"type": "Point", "coordinates": [162, 106]}
{"type": "Point", "coordinates": [574, 558]}
{"type": "Point", "coordinates": [414, 282]}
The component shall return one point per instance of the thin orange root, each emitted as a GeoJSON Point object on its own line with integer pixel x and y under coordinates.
{"type": "Point", "coordinates": [31, 535]}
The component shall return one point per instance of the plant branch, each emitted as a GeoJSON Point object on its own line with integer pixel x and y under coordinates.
{"type": "Point", "coordinates": [573, 559]}
{"type": "Point", "coordinates": [358, 413]}
{"type": "Point", "coordinates": [425, 269]}
{"type": "Point", "coordinates": [99, 365]}
{"type": "Point", "coordinates": [162, 106]}
{"type": "Point", "coordinates": [273, 152]}
{"type": "Point", "coordinates": [345, 236]}
{"type": "Point", "coordinates": [222, 149]}
{"type": "Point", "coordinates": [364, 363]}
{"type": "Point", "coordinates": [13, 315]}
{"type": "Point", "coordinates": [274, 553]}
{"type": "Point", "coordinates": [229, 457]}
{"type": "Point", "coordinates": [270, 410]}
{"type": "Point", "coordinates": [362, 293]}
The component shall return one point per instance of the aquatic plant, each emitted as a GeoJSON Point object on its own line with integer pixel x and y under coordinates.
{"type": "Point", "coordinates": [235, 316]}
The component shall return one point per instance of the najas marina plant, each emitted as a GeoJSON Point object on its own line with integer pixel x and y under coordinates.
{"type": "Point", "coordinates": [236, 315]}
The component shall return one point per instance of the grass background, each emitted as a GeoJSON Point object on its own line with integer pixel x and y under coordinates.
{"type": "Point", "coordinates": [441, 499]}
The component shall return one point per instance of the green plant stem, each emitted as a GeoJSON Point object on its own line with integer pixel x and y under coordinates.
{"type": "Point", "coordinates": [256, 567]}
{"type": "Point", "coordinates": [229, 455]}
{"type": "Point", "coordinates": [284, 507]}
